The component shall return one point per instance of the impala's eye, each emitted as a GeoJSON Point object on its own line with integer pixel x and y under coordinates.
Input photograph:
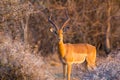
{"type": "Point", "coordinates": [55, 32]}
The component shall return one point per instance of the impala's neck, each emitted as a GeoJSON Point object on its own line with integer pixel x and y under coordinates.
{"type": "Point", "coordinates": [61, 44]}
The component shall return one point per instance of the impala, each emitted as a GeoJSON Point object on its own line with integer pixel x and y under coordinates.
{"type": "Point", "coordinates": [73, 53]}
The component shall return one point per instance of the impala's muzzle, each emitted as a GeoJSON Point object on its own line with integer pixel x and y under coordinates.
{"type": "Point", "coordinates": [59, 39]}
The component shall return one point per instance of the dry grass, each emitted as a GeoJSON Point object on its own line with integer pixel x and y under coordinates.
{"type": "Point", "coordinates": [18, 63]}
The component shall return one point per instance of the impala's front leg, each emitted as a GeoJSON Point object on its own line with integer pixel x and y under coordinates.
{"type": "Point", "coordinates": [64, 70]}
{"type": "Point", "coordinates": [68, 71]}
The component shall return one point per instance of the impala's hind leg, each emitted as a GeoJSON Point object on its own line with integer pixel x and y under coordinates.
{"type": "Point", "coordinates": [91, 59]}
{"type": "Point", "coordinates": [90, 64]}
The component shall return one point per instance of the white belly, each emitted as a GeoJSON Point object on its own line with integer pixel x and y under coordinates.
{"type": "Point", "coordinates": [79, 58]}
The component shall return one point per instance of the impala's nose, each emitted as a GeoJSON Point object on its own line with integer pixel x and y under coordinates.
{"type": "Point", "coordinates": [58, 39]}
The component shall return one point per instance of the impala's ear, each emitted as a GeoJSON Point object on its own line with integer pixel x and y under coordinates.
{"type": "Point", "coordinates": [66, 28]}
{"type": "Point", "coordinates": [53, 30]}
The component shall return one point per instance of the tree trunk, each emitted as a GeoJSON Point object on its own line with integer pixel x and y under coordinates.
{"type": "Point", "coordinates": [25, 28]}
{"type": "Point", "coordinates": [107, 39]}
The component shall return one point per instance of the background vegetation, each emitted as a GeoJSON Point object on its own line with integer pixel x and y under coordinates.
{"type": "Point", "coordinates": [25, 22]}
